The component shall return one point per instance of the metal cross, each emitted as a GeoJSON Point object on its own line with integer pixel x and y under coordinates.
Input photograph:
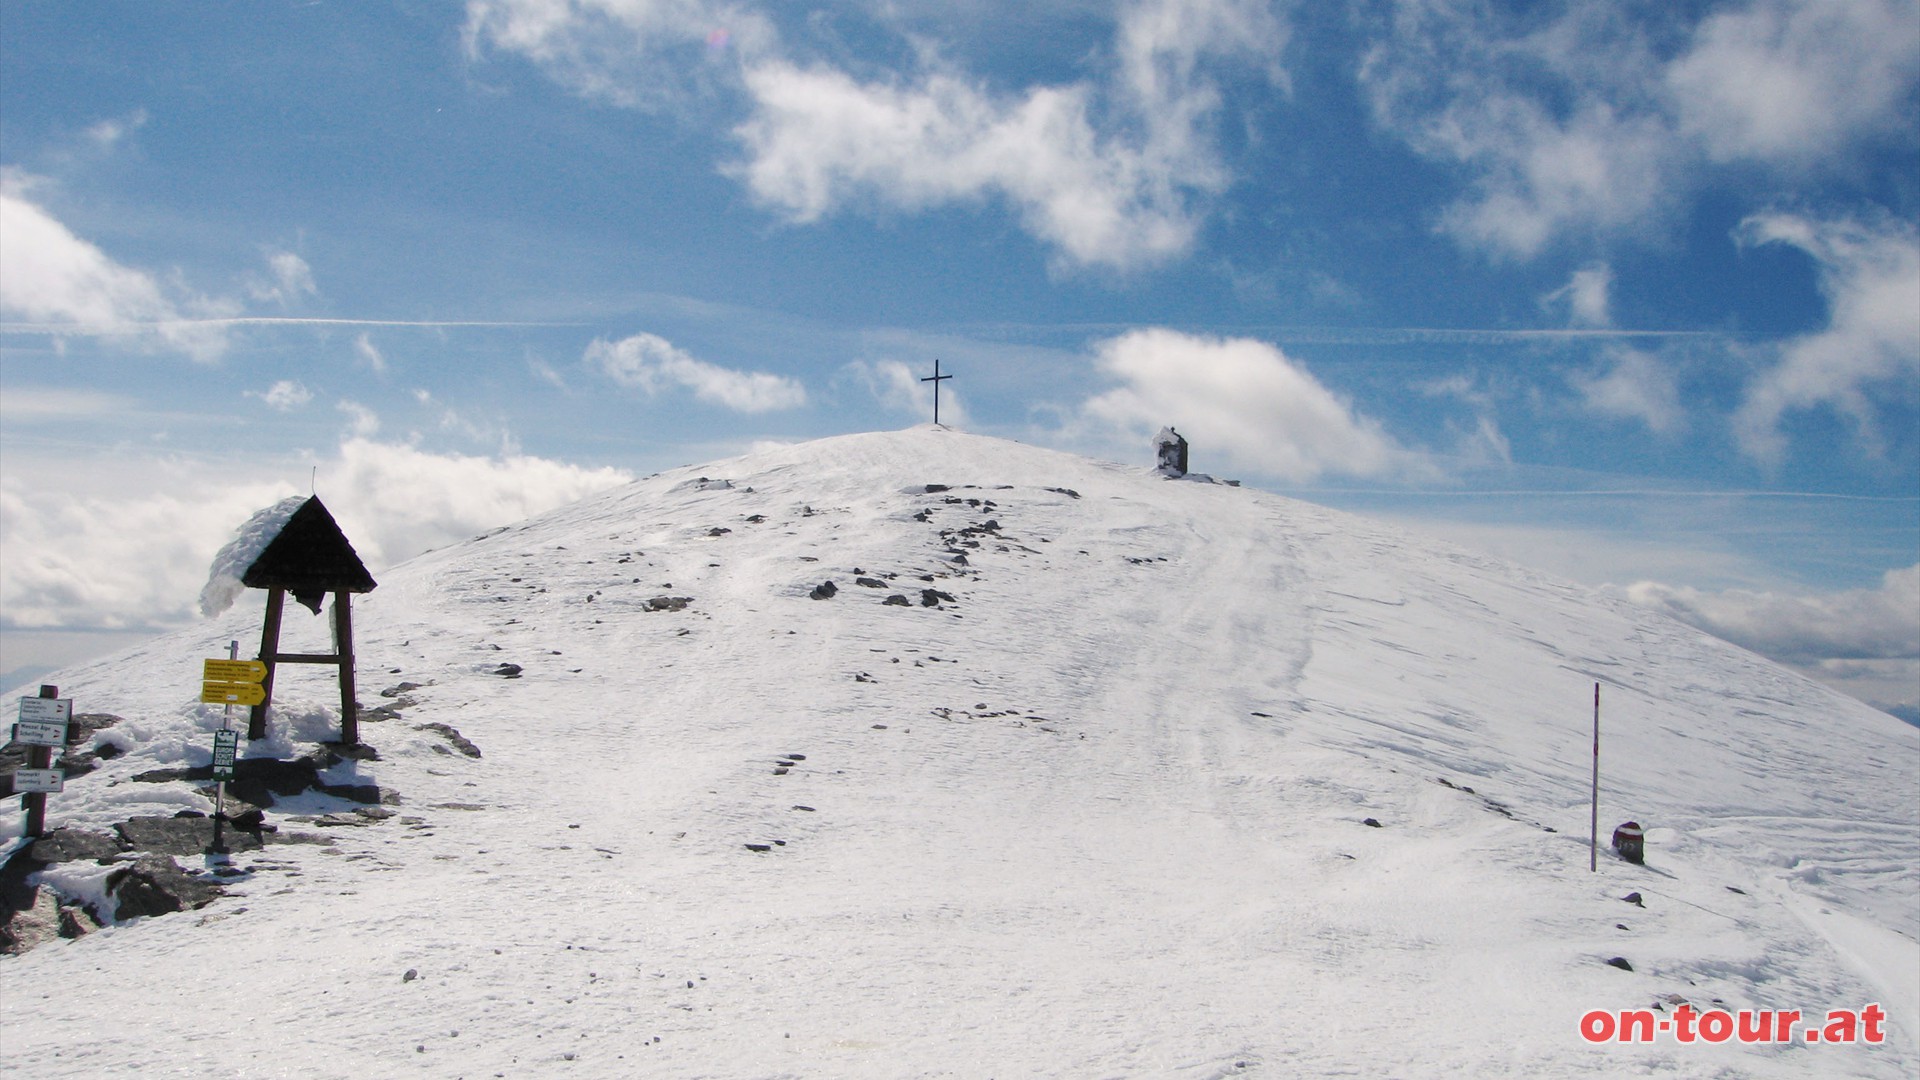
{"type": "Point", "coordinates": [936, 379]}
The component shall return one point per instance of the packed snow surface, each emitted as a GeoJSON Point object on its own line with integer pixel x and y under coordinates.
{"type": "Point", "coordinates": [1091, 799]}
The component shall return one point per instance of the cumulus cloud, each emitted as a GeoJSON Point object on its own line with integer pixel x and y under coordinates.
{"type": "Point", "coordinates": [135, 553]}
{"type": "Point", "coordinates": [362, 422]}
{"type": "Point", "coordinates": [1111, 188]}
{"type": "Point", "coordinates": [1244, 402]}
{"type": "Point", "coordinates": [1631, 384]}
{"type": "Point", "coordinates": [1857, 624]}
{"type": "Point", "coordinates": [1581, 120]}
{"type": "Point", "coordinates": [59, 282]}
{"type": "Point", "coordinates": [651, 364]}
{"type": "Point", "coordinates": [1110, 171]}
{"type": "Point", "coordinates": [1795, 80]}
{"type": "Point", "coordinates": [1870, 275]}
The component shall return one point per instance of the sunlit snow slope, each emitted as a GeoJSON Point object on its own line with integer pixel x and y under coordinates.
{"type": "Point", "coordinates": [1100, 813]}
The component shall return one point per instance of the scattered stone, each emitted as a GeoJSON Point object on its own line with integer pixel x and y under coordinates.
{"type": "Point", "coordinates": [508, 671]}
{"type": "Point", "coordinates": [398, 689]}
{"type": "Point", "coordinates": [795, 757]}
{"type": "Point", "coordinates": [459, 741]}
{"type": "Point", "coordinates": [1634, 899]}
{"type": "Point", "coordinates": [897, 600]}
{"type": "Point", "coordinates": [823, 591]}
{"type": "Point", "coordinates": [935, 489]}
{"type": "Point", "coordinates": [1732, 889]}
{"type": "Point", "coordinates": [669, 603]}
{"type": "Point", "coordinates": [1068, 492]}
{"type": "Point", "coordinates": [1620, 962]}
{"type": "Point", "coordinates": [869, 583]}
{"type": "Point", "coordinates": [808, 809]}
{"type": "Point", "coordinates": [718, 531]}
{"type": "Point", "coordinates": [412, 974]}
{"type": "Point", "coordinates": [1372, 823]}
{"type": "Point", "coordinates": [934, 597]}
{"type": "Point", "coordinates": [754, 847]}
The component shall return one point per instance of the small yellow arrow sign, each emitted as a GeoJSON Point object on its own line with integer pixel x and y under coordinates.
{"type": "Point", "coordinates": [221, 693]}
{"type": "Point", "coordinates": [233, 671]}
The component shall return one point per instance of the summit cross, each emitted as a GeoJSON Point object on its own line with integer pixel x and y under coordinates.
{"type": "Point", "coordinates": [936, 379]}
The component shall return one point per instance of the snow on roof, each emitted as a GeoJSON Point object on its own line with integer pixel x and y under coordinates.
{"type": "Point", "coordinates": [223, 580]}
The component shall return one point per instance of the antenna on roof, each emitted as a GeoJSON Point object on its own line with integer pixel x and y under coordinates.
{"type": "Point", "coordinates": [313, 483]}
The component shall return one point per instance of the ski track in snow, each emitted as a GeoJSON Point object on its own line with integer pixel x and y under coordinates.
{"type": "Point", "coordinates": [1100, 815]}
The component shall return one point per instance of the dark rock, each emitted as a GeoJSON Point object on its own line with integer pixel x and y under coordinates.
{"type": "Point", "coordinates": [76, 921]}
{"type": "Point", "coordinates": [935, 489]}
{"type": "Point", "coordinates": [1634, 899]}
{"type": "Point", "coordinates": [1732, 889]}
{"type": "Point", "coordinates": [453, 736]}
{"type": "Point", "coordinates": [718, 531]}
{"type": "Point", "coordinates": [808, 809]}
{"type": "Point", "coordinates": [934, 597]}
{"type": "Point", "coordinates": [360, 793]}
{"type": "Point", "coordinates": [1372, 823]}
{"type": "Point", "coordinates": [107, 751]}
{"type": "Point", "coordinates": [869, 583]}
{"type": "Point", "coordinates": [1068, 492]}
{"type": "Point", "coordinates": [823, 591]}
{"type": "Point", "coordinates": [757, 847]}
{"type": "Point", "coordinates": [896, 600]}
{"type": "Point", "coordinates": [71, 845]}
{"type": "Point", "coordinates": [411, 974]}
{"type": "Point", "coordinates": [156, 885]}
{"type": "Point", "coordinates": [179, 836]}
{"type": "Point", "coordinates": [669, 603]}
{"type": "Point", "coordinates": [796, 757]}
{"type": "Point", "coordinates": [508, 671]}
{"type": "Point", "coordinates": [1621, 963]}
{"type": "Point", "coordinates": [399, 689]}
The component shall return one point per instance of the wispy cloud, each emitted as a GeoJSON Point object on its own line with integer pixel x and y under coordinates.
{"type": "Point", "coordinates": [1870, 275]}
{"type": "Point", "coordinates": [283, 396]}
{"type": "Point", "coordinates": [652, 364]}
{"type": "Point", "coordinates": [899, 389]}
{"type": "Point", "coordinates": [1631, 384]}
{"type": "Point", "coordinates": [1580, 120]}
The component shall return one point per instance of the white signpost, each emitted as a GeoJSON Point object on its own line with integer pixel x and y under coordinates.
{"type": "Point", "coordinates": [43, 721]}
{"type": "Point", "coordinates": [29, 781]}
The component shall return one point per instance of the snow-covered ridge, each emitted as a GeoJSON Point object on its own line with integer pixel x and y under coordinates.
{"type": "Point", "coordinates": [1088, 799]}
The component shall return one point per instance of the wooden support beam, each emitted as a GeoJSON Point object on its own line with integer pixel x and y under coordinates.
{"type": "Point", "coordinates": [269, 654]}
{"type": "Point", "coordinates": [343, 644]}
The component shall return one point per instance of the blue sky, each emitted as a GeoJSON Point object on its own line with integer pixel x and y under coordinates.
{"type": "Point", "coordinates": [1629, 292]}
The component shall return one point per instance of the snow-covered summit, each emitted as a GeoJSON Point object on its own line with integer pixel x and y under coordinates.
{"type": "Point", "coordinates": [1075, 770]}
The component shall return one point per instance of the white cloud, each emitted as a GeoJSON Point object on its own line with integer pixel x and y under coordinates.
{"type": "Point", "coordinates": [1109, 171]}
{"type": "Point", "coordinates": [1588, 296]}
{"type": "Point", "coordinates": [1580, 120]}
{"type": "Point", "coordinates": [1633, 385]}
{"type": "Point", "coordinates": [1795, 80]}
{"type": "Point", "coordinates": [1870, 275]}
{"type": "Point", "coordinates": [632, 53]}
{"type": "Point", "coordinates": [652, 364]}
{"type": "Point", "coordinates": [107, 134]}
{"type": "Point", "coordinates": [899, 389]}
{"type": "Point", "coordinates": [292, 279]}
{"type": "Point", "coordinates": [1240, 401]}
{"type": "Point", "coordinates": [135, 550]}
{"type": "Point", "coordinates": [369, 354]}
{"type": "Point", "coordinates": [285, 395]}
{"type": "Point", "coordinates": [1857, 624]}
{"type": "Point", "coordinates": [362, 422]}
{"type": "Point", "coordinates": [62, 284]}
{"type": "Point", "coordinates": [1112, 187]}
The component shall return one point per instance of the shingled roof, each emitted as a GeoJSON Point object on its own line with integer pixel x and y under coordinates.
{"type": "Point", "coordinates": [309, 558]}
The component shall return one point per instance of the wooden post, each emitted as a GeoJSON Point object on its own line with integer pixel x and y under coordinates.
{"type": "Point", "coordinates": [269, 653]}
{"type": "Point", "coordinates": [343, 647]}
{"type": "Point", "coordinates": [1593, 855]}
{"type": "Point", "coordinates": [38, 757]}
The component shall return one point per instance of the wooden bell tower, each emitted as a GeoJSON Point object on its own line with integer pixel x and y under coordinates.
{"type": "Point", "coordinates": [309, 558]}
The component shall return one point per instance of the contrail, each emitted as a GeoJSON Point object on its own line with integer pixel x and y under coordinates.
{"type": "Point", "coordinates": [250, 320]}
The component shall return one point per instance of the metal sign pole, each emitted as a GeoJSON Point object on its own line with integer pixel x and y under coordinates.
{"type": "Point", "coordinates": [1593, 854]}
{"type": "Point", "coordinates": [220, 781]}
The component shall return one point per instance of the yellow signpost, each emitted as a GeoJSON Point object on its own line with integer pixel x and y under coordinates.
{"type": "Point", "coordinates": [233, 682]}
